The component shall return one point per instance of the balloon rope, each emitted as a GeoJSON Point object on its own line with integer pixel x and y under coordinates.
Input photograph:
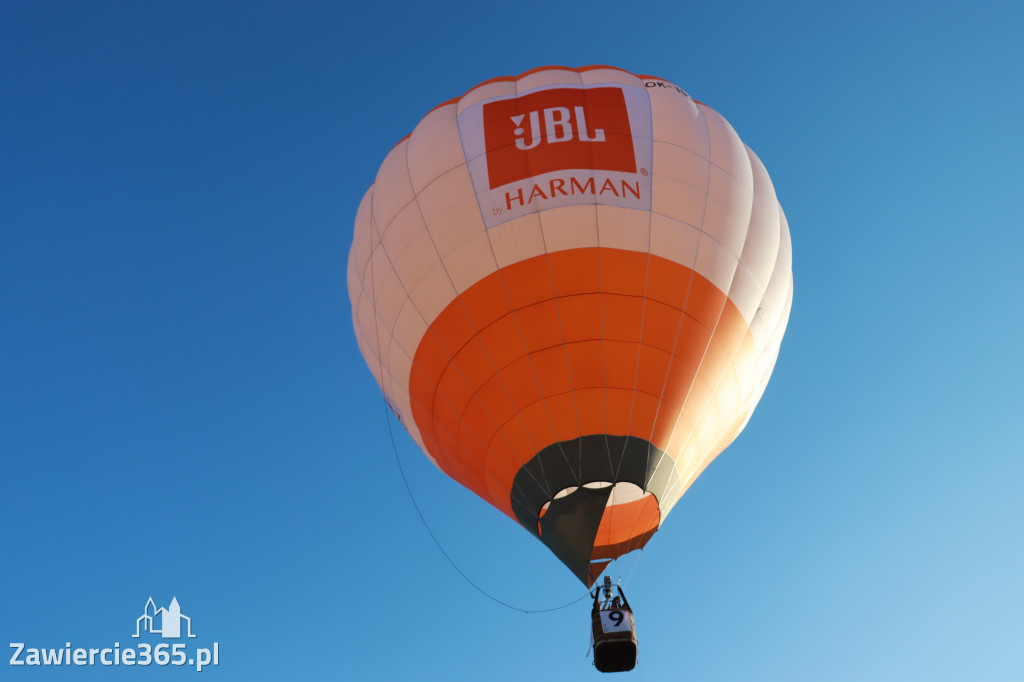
{"type": "Point", "coordinates": [419, 512]}
{"type": "Point", "coordinates": [401, 469]}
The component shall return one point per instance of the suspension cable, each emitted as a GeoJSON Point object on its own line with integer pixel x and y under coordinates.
{"type": "Point", "coordinates": [423, 520]}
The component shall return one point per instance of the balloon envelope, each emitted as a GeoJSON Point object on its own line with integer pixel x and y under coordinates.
{"type": "Point", "coordinates": [571, 286]}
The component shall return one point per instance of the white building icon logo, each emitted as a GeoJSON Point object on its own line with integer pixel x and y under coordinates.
{"type": "Point", "coordinates": [169, 620]}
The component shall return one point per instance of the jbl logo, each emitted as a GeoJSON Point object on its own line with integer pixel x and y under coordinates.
{"type": "Point", "coordinates": [557, 129]}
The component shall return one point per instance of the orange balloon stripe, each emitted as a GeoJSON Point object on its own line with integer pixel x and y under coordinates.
{"type": "Point", "coordinates": [563, 345]}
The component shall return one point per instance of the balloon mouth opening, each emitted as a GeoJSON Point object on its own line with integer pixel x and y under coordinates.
{"type": "Point", "coordinates": [596, 505]}
{"type": "Point", "coordinates": [622, 492]}
{"type": "Point", "coordinates": [621, 517]}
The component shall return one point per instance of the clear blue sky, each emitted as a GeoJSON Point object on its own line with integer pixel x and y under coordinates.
{"type": "Point", "coordinates": [184, 412]}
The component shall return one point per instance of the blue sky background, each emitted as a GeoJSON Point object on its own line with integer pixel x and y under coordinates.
{"type": "Point", "coordinates": [184, 411]}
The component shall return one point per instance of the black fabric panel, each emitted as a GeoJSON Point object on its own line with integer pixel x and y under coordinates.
{"type": "Point", "coordinates": [570, 525]}
{"type": "Point", "coordinates": [588, 459]}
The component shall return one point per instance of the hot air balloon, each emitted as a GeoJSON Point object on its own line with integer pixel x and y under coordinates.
{"type": "Point", "coordinates": [571, 286]}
